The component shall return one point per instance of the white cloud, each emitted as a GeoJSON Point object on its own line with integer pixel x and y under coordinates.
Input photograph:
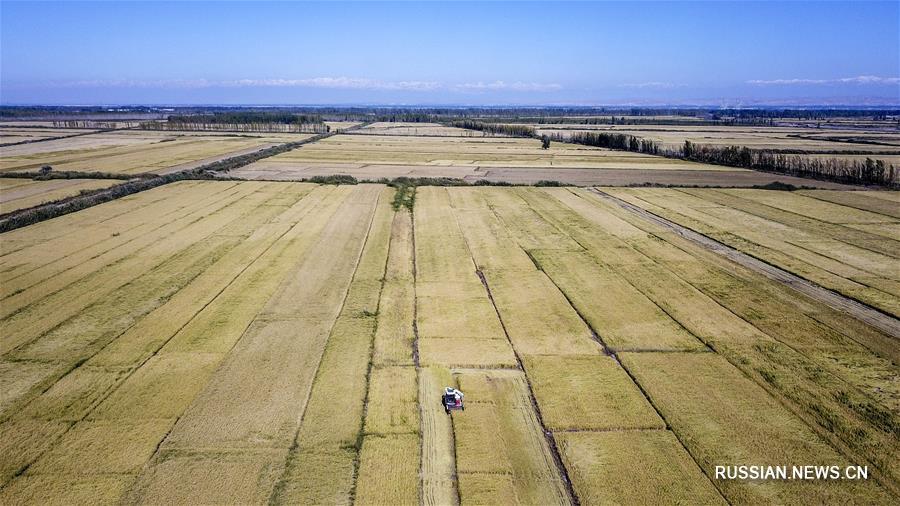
{"type": "Point", "coordinates": [843, 80]}
{"type": "Point", "coordinates": [347, 83]}
{"type": "Point", "coordinates": [501, 85]}
{"type": "Point", "coordinates": [335, 83]}
{"type": "Point", "coordinates": [652, 84]}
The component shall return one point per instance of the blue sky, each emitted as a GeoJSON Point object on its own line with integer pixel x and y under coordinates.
{"type": "Point", "coordinates": [711, 53]}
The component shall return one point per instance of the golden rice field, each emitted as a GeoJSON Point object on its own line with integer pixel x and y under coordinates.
{"type": "Point", "coordinates": [877, 141]}
{"type": "Point", "coordinates": [287, 343]}
{"type": "Point", "coordinates": [341, 125]}
{"type": "Point", "coordinates": [134, 151]}
{"type": "Point", "coordinates": [18, 193]}
{"type": "Point", "coordinates": [424, 129]}
{"type": "Point", "coordinates": [395, 151]}
{"type": "Point", "coordinates": [807, 139]}
{"type": "Point", "coordinates": [487, 151]}
{"type": "Point", "coordinates": [12, 134]}
{"type": "Point", "coordinates": [846, 241]}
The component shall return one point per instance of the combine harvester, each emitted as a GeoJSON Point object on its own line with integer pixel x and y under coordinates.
{"type": "Point", "coordinates": [452, 399]}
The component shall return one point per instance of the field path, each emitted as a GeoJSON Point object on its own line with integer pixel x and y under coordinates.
{"type": "Point", "coordinates": [858, 310]}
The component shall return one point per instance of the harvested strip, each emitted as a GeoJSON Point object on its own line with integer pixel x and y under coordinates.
{"type": "Point", "coordinates": [319, 476]}
{"type": "Point", "coordinates": [73, 397]}
{"type": "Point", "coordinates": [147, 336]}
{"type": "Point", "coordinates": [526, 225]}
{"type": "Point", "coordinates": [722, 416]}
{"type": "Point", "coordinates": [320, 466]}
{"type": "Point", "coordinates": [82, 336]}
{"type": "Point", "coordinates": [438, 454]}
{"type": "Point", "coordinates": [588, 393]}
{"type": "Point", "coordinates": [220, 324]}
{"type": "Point", "coordinates": [78, 337]}
{"type": "Point", "coordinates": [283, 347]}
{"type": "Point", "coordinates": [768, 245]}
{"type": "Point", "coordinates": [103, 447]}
{"type": "Point", "coordinates": [333, 417]}
{"type": "Point", "coordinates": [97, 325]}
{"type": "Point", "coordinates": [634, 467]}
{"type": "Point", "coordinates": [518, 446]}
{"type": "Point", "coordinates": [183, 380]}
{"type": "Point", "coordinates": [486, 489]}
{"type": "Point", "coordinates": [765, 303]}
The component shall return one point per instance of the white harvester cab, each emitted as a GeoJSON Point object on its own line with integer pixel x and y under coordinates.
{"type": "Point", "coordinates": [452, 399]}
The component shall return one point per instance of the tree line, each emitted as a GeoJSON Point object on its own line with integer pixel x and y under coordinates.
{"type": "Point", "coordinates": [101, 125]}
{"type": "Point", "coordinates": [310, 128]}
{"type": "Point", "coordinates": [494, 128]}
{"type": "Point", "coordinates": [621, 142]}
{"type": "Point", "coordinates": [239, 117]}
{"type": "Point", "coordinates": [869, 171]}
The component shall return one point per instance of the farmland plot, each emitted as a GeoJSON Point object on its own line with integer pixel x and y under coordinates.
{"type": "Point", "coordinates": [133, 152]}
{"type": "Point", "coordinates": [144, 395]}
{"type": "Point", "coordinates": [612, 467]}
{"type": "Point", "coordinates": [423, 129]}
{"type": "Point", "coordinates": [322, 464]}
{"type": "Point", "coordinates": [10, 134]}
{"type": "Point", "coordinates": [789, 339]}
{"type": "Point", "coordinates": [823, 246]}
{"type": "Point", "coordinates": [18, 194]}
{"type": "Point", "coordinates": [885, 203]}
{"type": "Point", "coordinates": [727, 418]}
{"type": "Point", "coordinates": [455, 153]}
{"type": "Point", "coordinates": [502, 419]}
{"type": "Point", "coordinates": [627, 250]}
{"type": "Point", "coordinates": [827, 143]}
{"type": "Point", "coordinates": [289, 333]}
{"type": "Point", "coordinates": [222, 342]}
{"type": "Point", "coordinates": [457, 324]}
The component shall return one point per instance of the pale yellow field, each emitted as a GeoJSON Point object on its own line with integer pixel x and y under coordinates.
{"type": "Point", "coordinates": [807, 139]}
{"type": "Point", "coordinates": [341, 125]}
{"type": "Point", "coordinates": [133, 152]}
{"type": "Point", "coordinates": [485, 152]}
{"type": "Point", "coordinates": [18, 193]}
{"type": "Point", "coordinates": [12, 134]}
{"type": "Point", "coordinates": [424, 129]}
{"type": "Point", "coordinates": [288, 343]}
{"type": "Point", "coordinates": [847, 248]}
